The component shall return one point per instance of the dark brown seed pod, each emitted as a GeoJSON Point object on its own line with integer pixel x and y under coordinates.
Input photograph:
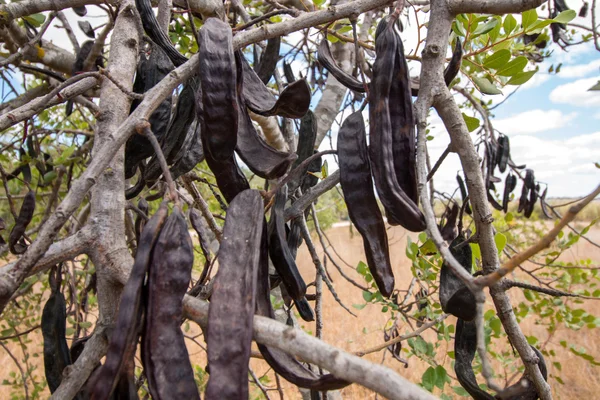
{"type": "Point", "coordinates": [164, 355]}
{"type": "Point", "coordinates": [232, 304]}
{"type": "Point", "coordinates": [528, 185]}
{"type": "Point", "coordinates": [279, 251]}
{"type": "Point", "coordinates": [455, 297]}
{"type": "Point", "coordinates": [293, 102]}
{"type": "Point", "coordinates": [533, 196]}
{"type": "Point", "coordinates": [261, 158]}
{"type": "Point", "coordinates": [81, 11]}
{"type": "Point", "coordinates": [544, 205]}
{"type": "Point", "coordinates": [465, 346]}
{"type": "Point", "coordinates": [503, 152]}
{"type": "Point", "coordinates": [282, 363]}
{"type": "Point", "coordinates": [137, 188]}
{"type": "Point", "coordinates": [288, 72]}
{"type": "Point", "coordinates": [268, 60]}
{"type": "Point", "coordinates": [492, 199]}
{"type": "Point", "coordinates": [87, 29]}
{"type": "Point", "coordinates": [583, 11]}
{"type": "Point", "coordinates": [328, 62]}
{"type": "Point", "coordinates": [355, 178]}
{"type": "Point", "coordinates": [190, 154]}
{"type": "Point", "coordinates": [449, 231]}
{"type": "Point", "coordinates": [463, 193]}
{"type": "Point", "coordinates": [84, 52]}
{"type": "Point", "coordinates": [400, 209]}
{"type": "Point", "coordinates": [123, 341]}
{"type": "Point", "coordinates": [453, 68]}
{"type": "Point", "coordinates": [304, 309]}
{"type": "Point", "coordinates": [140, 222]}
{"type": "Point", "coordinates": [509, 185]}
{"type": "Point", "coordinates": [219, 94]}
{"type": "Point", "coordinates": [24, 218]}
{"type": "Point", "coordinates": [56, 351]}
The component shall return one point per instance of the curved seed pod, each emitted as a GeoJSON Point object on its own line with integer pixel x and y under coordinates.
{"type": "Point", "coordinates": [288, 72]}
{"type": "Point", "coordinates": [400, 209]}
{"type": "Point", "coordinates": [583, 11]}
{"type": "Point", "coordinates": [509, 186]}
{"type": "Point", "coordinates": [150, 71]}
{"type": "Point", "coordinates": [463, 193]}
{"type": "Point", "coordinates": [307, 135]}
{"type": "Point", "coordinates": [304, 309]}
{"type": "Point", "coordinates": [453, 68]}
{"type": "Point", "coordinates": [455, 297]}
{"type": "Point", "coordinates": [87, 29]}
{"type": "Point", "coordinates": [524, 389]}
{"type": "Point", "coordinates": [136, 189]}
{"type": "Point", "coordinates": [268, 60]}
{"type": "Point", "coordinates": [139, 221]}
{"type": "Point", "coordinates": [218, 82]}
{"type": "Point", "coordinates": [279, 251]}
{"type": "Point", "coordinates": [154, 31]}
{"type": "Point", "coordinates": [123, 341]}
{"type": "Point", "coordinates": [523, 198]}
{"type": "Point", "coordinates": [355, 178]}
{"type": "Point", "coordinates": [528, 185]}
{"type": "Point", "coordinates": [533, 196]}
{"type": "Point", "coordinates": [529, 178]}
{"type": "Point", "coordinates": [491, 197]}
{"type": "Point", "coordinates": [328, 62]}
{"type": "Point", "coordinates": [192, 155]}
{"type": "Point", "coordinates": [23, 219]}
{"type": "Point", "coordinates": [314, 167]}
{"type": "Point", "coordinates": [544, 205]}
{"type": "Point", "coordinates": [293, 102]}
{"type": "Point", "coordinates": [282, 363]}
{"type": "Point", "coordinates": [81, 10]}
{"type": "Point", "coordinates": [403, 126]}
{"type": "Point", "coordinates": [465, 346]}
{"type": "Point", "coordinates": [164, 355]}
{"type": "Point", "coordinates": [56, 351]}
{"type": "Point", "coordinates": [84, 52]}
{"type": "Point", "coordinates": [503, 152]}
{"type": "Point", "coordinates": [232, 304]}
{"type": "Point", "coordinates": [261, 158]}
{"type": "Point", "coordinates": [449, 231]}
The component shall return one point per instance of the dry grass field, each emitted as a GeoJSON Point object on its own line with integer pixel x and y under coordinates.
{"type": "Point", "coordinates": [581, 379]}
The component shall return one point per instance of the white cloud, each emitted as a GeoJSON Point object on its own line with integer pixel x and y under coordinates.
{"type": "Point", "coordinates": [576, 93]}
{"type": "Point", "coordinates": [580, 71]}
{"type": "Point", "coordinates": [533, 121]}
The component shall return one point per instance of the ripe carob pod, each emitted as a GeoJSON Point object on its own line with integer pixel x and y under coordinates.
{"type": "Point", "coordinates": [123, 341]}
{"type": "Point", "coordinates": [355, 178]}
{"type": "Point", "coordinates": [268, 60]}
{"type": "Point", "coordinates": [492, 199]}
{"type": "Point", "coordinates": [279, 251]}
{"type": "Point", "coordinates": [503, 152]}
{"type": "Point", "coordinates": [528, 186]}
{"type": "Point", "coordinates": [533, 196]}
{"type": "Point", "coordinates": [218, 83]}
{"type": "Point", "coordinates": [87, 29]}
{"type": "Point", "coordinates": [403, 126]}
{"type": "Point", "coordinates": [463, 193]}
{"type": "Point", "coordinates": [455, 297]}
{"type": "Point", "coordinates": [293, 102]}
{"type": "Point", "coordinates": [282, 363]}
{"type": "Point", "coordinates": [137, 188]}
{"type": "Point", "coordinates": [451, 70]}
{"type": "Point", "coordinates": [232, 303]}
{"type": "Point", "coordinates": [465, 346]}
{"type": "Point", "coordinates": [155, 32]}
{"type": "Point", "coordinates": [150, 71]}
{"type": "Point", "coordinates": [82, 55]}
{"type": "Point", "coordinates": [261, 158]}
{"type": "Point", "coordinates": [288, 72]}
{"type": "Point", "coordinates": [25, 216]}
{"type": "Point", "coordinates": [190, 154]}
{"type": "Point", "coordinates": [326, 59]}
{"type": "Point", "coordinates": [400, 209]}
{"type": "Point", "coordinates": [139, 221]}
{"type": "Point", "coordinates": [54, 317]}
{"type": "Point", "coordinates": [544, 205]}
{"type": "Point", "coordinates": [164, 355]}
{"type": "Point", "coordinates": [81, 10]}
{"type": "Point", "coordinates": [509, 185]}
{"type": "Point", "coordinates": [449, 230]}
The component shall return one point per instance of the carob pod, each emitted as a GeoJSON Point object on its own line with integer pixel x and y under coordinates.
{"type": "Point", "coordinates": [23, 169]}
{"type": "Point", "coordinates": [279, 251]}
{"type": "Point", "coordinates": [528, 185]}
{"type": "Point", "coordinates": [533, 196]}
{"type": "Point", "coordinates": [455, 297]}
{"type": "Point", "coordinates": [87, 29]}
{"type": "Point", "coordinates": [449, 231]}
{"type": "Point", "coordinates": [492, 199]}
{"type": "Point", "coordinates": [268, 60]}
{"type": "Point", "coordinates": [123, 341]}
{"type": "Point", "coordinates": [164, 354]}
{"type": "Point", "coordinates": [326, 59]}
{"type": "Point", "coordinates": [137, 188]}
{"type": "Point", "coordinates": [23, 219]}
{"type": "Point", "coordinates": [155, 32]}
{"type": "Point", "coordinates": [509, 185]}
{"type": "Point", "coordinates": [451, 70]}
{"type": "Point", "coordinates": [288, 72]}
{"type": "Point", "coordinates": [150, 71]}
{"type": "Point", "coordinates": [261, 158]}
{"type": "Point", "coordinates": [465, 346]}
{"type": "Point", "coordinates": [403, 125]}
{"type": "Point", "coordinates": [82, 55]}
{"type": "Point", "coordinates": [583, 11]}
{"type": "Point", "coordinates": [217, 73]}
{"type": "Point", "coordinates": [54, 317]}
{"type": "Point", "coordinates": [355, 178]}
{"type": "Point", "coordinates": [503, 152]}
{"type": "Point", "coordinates": [293, 102]}
{"type": "Point", "coordinates": [544, 205]}
{"type": "Point", "coordinates": [192, 155]}
{"type": "Point", "coordinates": [140, 222]}
{"type": "Point", "coordinates": [282, 363]}
{"type": "Point", "coordinates": [81, 10]}
{"type": "Point", "coordinates": [400, 209]}
{"type": "Point", "coordinates": [232, 303]}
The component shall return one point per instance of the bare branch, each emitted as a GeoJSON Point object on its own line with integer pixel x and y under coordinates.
{"type": "Point", "coordinates": [10, 12]}
{"type": "Point", "coordinates": [456, 7]}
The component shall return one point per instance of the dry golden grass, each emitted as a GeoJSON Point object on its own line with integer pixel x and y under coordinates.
{"type": "Point", "coordinates": [353, 334]}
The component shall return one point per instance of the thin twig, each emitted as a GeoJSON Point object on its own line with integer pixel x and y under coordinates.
{"type": "Point", "coordinates": [438, 163]}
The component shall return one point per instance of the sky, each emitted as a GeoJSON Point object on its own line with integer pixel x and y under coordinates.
{"type": "Point", "coordinates": [552, 121]}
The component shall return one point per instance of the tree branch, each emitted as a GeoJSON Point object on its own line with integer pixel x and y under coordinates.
{"type": "Point", "coordinates": [456, 7]}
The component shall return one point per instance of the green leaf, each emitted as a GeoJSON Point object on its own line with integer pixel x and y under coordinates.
{"type": "Point", "coordinates": [509, 24]}
{"type": "Point", "coordinates": [509, 217]}
{"type": "Point", "coordinates": [441, 377]}
{"type": "Point", "coordinates": [497, 60]}
{"type": "Point", "coordinates": [428, 379]}
{"type": "Point", "coordinates": [332, 38]}
{"type": "Point", "coordinates": [521, 77]}
{"type": "Point", "coordinates": [483, 29]}
{"type": "Point", "coordinates": [324, 170]}
{"type": "Point", "coordinates": [500, 240]}
{"type": "Point", "coordinates": [528, 18]}
{"type": "Point", "coordinates": [460, 391]}
{"type": "Point", "coordinates": [368, 296]}
{"type": "Point", "coordinates": [485, 86]}
{"type": "Point", "coordinates": [539, 25]}
{"type": "Point", "coordinates": [565, 16]}
{"type": "Point", "coordinates": [515, 66]}
{"type": "Point", "coordinates": [35, 19]}
{"type": "Point", "coordinates": [472, 122]}
{"type": "Point", "coordinates": [361, 268]}
{"type": "Point", "coordinates": [359, 306]}
{"type": "Point", "coordinates": [50, 176]}
{"type": "Point", "coordinates": [318, 3]}
{"type": "Point", "coordinates": [428, 248]}
{"type": "Point", "coordinates": [476, 251]}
